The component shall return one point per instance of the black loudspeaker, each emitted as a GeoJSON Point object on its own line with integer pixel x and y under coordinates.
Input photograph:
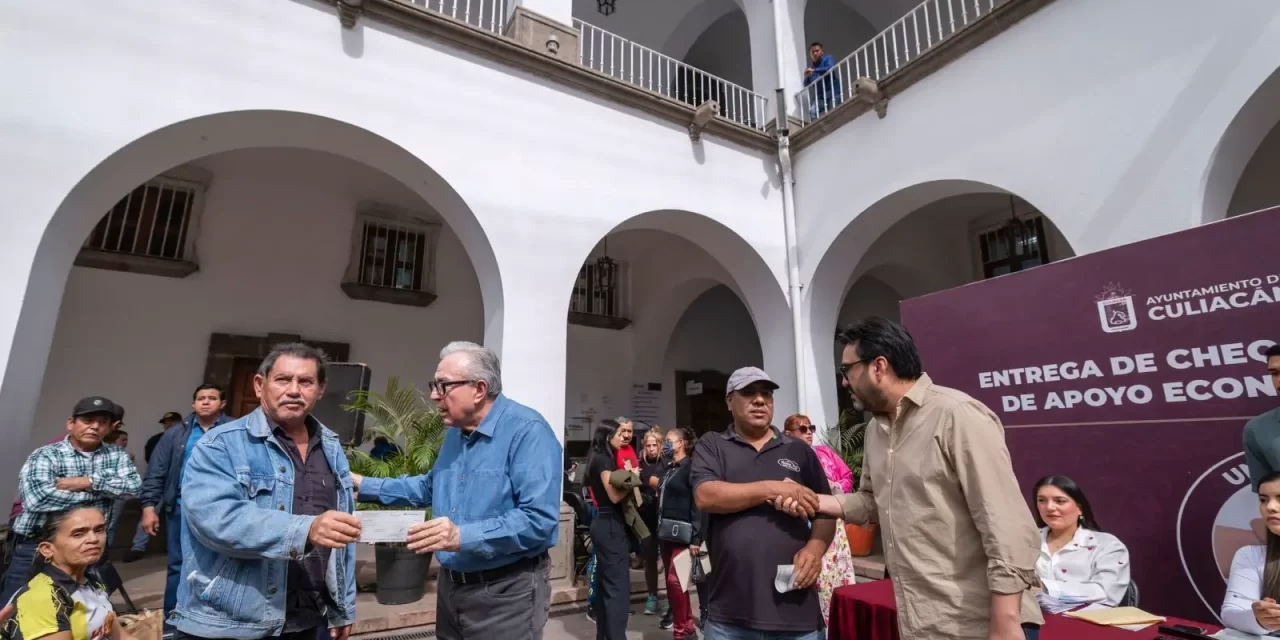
{"type": "Point", "coordinates": [345, 378]}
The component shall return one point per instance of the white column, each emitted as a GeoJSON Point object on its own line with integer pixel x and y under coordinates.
{"type": "Point", "coordinates": [558, 10]}
{"type": "Point", "coordinates": [764, 74]}
{"type": "Point", "coordinates": [33, 286]}
{"type": "Point", "coordinates": [530, 331]}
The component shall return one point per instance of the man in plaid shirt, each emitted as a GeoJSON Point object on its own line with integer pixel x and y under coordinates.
{"type": "Point", "coordinates": [78, 470]}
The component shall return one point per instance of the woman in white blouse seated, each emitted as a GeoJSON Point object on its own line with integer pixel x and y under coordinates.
{"type": "Point", "coordinates": [1254, 585]}
{"type": "Point", "coordinates": [1079, 564]}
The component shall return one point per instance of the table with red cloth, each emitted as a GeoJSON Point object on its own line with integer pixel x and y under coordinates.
{"type": "Point", "coordinates": [868, 611]}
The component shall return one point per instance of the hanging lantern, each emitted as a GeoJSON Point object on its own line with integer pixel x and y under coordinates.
{"type": "Point", "coordinates": [606, 274]}
{"type": "Point", "coordinates": [606, 6]}
{"type": "Point", "coordinates": [1014, 233]}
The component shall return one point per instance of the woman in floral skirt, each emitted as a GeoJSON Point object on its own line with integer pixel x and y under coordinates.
{"type": "Point", "coordinates": [837, 564]}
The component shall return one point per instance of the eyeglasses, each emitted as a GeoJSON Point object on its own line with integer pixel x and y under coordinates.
{"type": "Point", "coordinates": [442, 387]}
{"type": "Point", "coordinates": [843, 370]}
{"type": "Point", "coordinates": [804, 428]}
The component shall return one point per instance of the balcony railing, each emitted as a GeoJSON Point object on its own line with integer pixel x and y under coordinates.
{"type": "Point", "coordinates": [643, 67]}
{"type": "Point", "coordinates": [922, 29]}
{"type": "Point", "coordinates": [490, 15]}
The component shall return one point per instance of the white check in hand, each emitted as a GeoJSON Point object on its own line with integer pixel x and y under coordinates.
{"type": "Point", "coordinates": [438, 534]}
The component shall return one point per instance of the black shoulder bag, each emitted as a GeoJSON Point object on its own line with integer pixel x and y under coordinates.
{"type": "Point", "coordinates": [670, 529]}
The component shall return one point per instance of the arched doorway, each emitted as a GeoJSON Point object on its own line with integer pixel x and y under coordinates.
{"type": "Point", "coordinates": [724, 49]}
{"type": "Point", "coordinates": [932, 237]}
{"type": "Point", "coordinates": [1241, 174]}
{"type": "Point", "coordinates": [1258, 187]}
{"type": "Point", "coordinates": [286, 215]}
{"type": "Point", "coordinates": [714, 337]}
{"type": "Point", "coordinates": [666, 299]}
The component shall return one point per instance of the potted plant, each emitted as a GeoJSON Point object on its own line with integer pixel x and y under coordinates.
{"type": "Point", "coordinates": [415, 431]}
{"type": "Point", "coordinates": [848, 441]}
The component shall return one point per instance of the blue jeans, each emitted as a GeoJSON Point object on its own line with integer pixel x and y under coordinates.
{"type": "Point", "coordinates": [18, 573]}
{"type": "Point", "coordinates": [1032, 631]}
{"type": "Point", "coordinates": [173, 544]}
{"type": "Point", "coordinates": [140, 539]}
{"type": "Point", "coordinates": [718, 631]}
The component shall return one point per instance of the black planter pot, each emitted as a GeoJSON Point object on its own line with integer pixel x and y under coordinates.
{"type": "Point", "coordinates": [402, 574]}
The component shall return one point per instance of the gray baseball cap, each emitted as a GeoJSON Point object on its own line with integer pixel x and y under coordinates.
{"type": "Point", "coordinates": [746, 376]}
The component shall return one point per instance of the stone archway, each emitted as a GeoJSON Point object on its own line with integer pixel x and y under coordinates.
{"type": "Point", "coordinates": [1240, 141]}
{"type": "Point", "coordinates": [672, 258]}
{"type": "Point", "coordinates": [917, 240]}
{"type": "Point", "coordinates": [173, 145]}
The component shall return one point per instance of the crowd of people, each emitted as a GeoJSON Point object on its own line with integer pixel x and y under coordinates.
{"type": "Point", "coordinates": [261, 531]}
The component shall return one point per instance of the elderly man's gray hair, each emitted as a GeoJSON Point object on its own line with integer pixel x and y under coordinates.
{"type": "Point", "coordinates": [479, 363]}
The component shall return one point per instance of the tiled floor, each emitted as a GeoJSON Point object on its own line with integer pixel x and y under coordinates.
{"type": "Point", "coordinates": [144, 581]}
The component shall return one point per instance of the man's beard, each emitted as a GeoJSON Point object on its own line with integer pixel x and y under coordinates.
{"type": "Point", "coordinates": [874, 401]}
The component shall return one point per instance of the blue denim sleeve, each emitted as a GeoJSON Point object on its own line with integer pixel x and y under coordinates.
{"type": "Point", "coordinates": [535, 485]}
{"type": "Point", "coordinates": [405, 491]}
{"type": "Point", "coordinates": [229, 523]}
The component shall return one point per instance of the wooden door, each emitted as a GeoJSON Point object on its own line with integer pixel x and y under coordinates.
{"type": "Point", "coordinates": [704, 411]}
{"type": "Point", "coordinates": [243, 398]}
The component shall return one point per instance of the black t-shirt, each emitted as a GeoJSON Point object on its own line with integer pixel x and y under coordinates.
{"type": "Point", "coordinates": [597, 465]}
{"type": "Point", "coordinates": [747, 547]}
{"type": "Point", "coordinates": [651, 470]}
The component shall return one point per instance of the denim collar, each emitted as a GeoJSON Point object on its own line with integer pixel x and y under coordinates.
{"type": "Point", "coordinates": [491, 419]}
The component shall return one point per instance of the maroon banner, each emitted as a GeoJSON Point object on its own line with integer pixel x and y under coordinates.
{"type": "Point", "coordinates": [1132, 370]}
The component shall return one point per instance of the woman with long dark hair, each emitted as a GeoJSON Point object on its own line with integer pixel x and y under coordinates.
{"type": "Point", "coordinates": [1254, 586]}
{"type": "Point", "coordinates": [64, 599]}
{"type": "Point", "coordinates": [609, 535]}
{"type": "Point", "coordinates": [1079, 564]}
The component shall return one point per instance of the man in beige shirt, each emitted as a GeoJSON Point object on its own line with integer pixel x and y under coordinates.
{"type": "Point", "coordinates": [959, 540]}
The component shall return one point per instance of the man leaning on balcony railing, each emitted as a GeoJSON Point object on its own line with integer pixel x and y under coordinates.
{"type": "Point", "coordinates": [826, 95]}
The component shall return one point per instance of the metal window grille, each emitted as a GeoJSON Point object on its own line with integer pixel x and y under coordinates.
{"type": "Point", "coordinates": [153, 220]}
{"type": "Point", "coordinates": [393, 256]}
{"type": "Point", "coordinates": [997, 260]}
{"type": "Point", "coordinates": [591, 297]}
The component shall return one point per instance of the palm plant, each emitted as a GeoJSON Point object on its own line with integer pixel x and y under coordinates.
{"type": "Point", "coordinates": [402, 415]}
{"type": "Point", "coordinates": [849, 440]}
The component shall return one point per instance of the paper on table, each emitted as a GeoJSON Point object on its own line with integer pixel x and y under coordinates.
{"type": "Point", "coordinates": [1127, 627]}
{"type": "Point", "coordinates": [1232, 634]}
{"type": "Point", "coordinates": [1117, 616]}
{"type": "Point", "coordinates": [387, 526]}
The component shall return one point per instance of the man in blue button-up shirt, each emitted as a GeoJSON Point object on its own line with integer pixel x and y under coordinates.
{"type": "Point", "coordinates": [495, 495]}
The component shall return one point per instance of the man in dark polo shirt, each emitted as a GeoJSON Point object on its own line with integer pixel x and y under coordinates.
{"type": "Point", "coordinates": [735, 474]}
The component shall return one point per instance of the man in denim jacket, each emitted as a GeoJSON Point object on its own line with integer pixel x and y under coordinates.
{"type": "Point", "coordinates": [268, 546]}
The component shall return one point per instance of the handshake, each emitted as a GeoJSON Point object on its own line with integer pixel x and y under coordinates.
{"type": "Point", "coordinates": [798, 500]}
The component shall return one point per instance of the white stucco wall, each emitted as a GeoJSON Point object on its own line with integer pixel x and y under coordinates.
{"type": "Point", "coordinates": [1116, 131]}
{"type": "Point", "coordinates": [1108, 126]}
{"type": "Point", "coordinates": [528, 175]}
